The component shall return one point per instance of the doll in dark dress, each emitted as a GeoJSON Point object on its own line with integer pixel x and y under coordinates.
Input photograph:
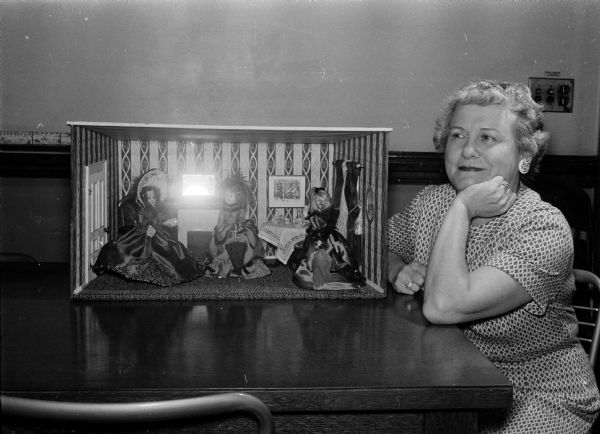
{"type": "Point", "coordinates": [149, 252]}
{"type": "Point", "coordinates": [324, 261]}
{"type": "Point", "coordinates": [235, 249]}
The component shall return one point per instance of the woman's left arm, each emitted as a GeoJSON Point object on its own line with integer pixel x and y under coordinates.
{"type": "Point", "coordinates": [452, 293]}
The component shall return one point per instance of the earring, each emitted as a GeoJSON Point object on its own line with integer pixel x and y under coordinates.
{"type": "Point", "coordinates": [524, 165]}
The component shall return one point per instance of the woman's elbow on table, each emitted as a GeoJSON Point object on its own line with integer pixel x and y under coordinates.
{"type": "Point", "coordinates": [441, 312]}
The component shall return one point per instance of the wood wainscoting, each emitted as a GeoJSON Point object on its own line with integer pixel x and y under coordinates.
{"type": "Point", "coordinates": [31, 154]}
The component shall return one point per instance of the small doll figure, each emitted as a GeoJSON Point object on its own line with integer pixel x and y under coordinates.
{"type": "Point", "coordinates": [320, 264]}
{"type": "Point", "coordinates": [324, 261]}
{"type": "Point", "coordinates": [147, 249]}
{"type": "Point", "coordinates": [235, 249]}
{"type": "Point", "coordinates": [320, 209]}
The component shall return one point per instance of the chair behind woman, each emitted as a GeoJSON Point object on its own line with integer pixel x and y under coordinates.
{"type": "Point", "coordinates": [576, 206]}
{"type": "Point", "coordinates": [586, 303]}
{"type": "Point", "coordinates": [137, 412]}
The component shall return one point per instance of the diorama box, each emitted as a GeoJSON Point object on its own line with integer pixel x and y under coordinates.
{"type": "Point", "coordinates": [109, 158]}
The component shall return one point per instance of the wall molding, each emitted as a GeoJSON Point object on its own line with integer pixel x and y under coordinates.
{"type": "Point", "coordinates": [21, 138]}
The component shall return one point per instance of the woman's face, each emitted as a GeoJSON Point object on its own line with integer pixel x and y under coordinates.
{"type": "Point", "coordinates": [151, 197]}
{"type": "Point", "coordinates": [481, 145]}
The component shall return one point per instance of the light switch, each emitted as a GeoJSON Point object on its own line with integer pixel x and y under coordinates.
{"type": "Point", "coordinates": [555, 93]}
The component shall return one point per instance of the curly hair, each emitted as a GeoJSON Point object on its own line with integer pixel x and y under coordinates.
{"type": "Point", "coordinates": [144, 192]}
{"type": "Point", "coordinates": [527, 128]}
{"type": "Point", "coordinates": [239, 186]}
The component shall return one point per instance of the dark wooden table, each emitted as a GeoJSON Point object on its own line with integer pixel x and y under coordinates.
{"type": "Point", "coordinates": [338, 366]}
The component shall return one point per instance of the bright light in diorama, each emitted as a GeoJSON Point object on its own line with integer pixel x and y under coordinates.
{"type": "Point", "coordinates": [198, 185]}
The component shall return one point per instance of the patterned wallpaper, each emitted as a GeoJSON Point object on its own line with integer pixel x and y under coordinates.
{"type": "Point", "coordinates": [226, 159]}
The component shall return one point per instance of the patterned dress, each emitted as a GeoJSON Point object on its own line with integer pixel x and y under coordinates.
{"type": "Point", "coordinates": [534, 346]}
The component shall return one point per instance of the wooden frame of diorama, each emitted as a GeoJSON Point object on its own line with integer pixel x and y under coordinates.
{"type": "Point", "coordinates": [256, 153]}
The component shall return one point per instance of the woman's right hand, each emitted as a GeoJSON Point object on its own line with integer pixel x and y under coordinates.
{"type": "Point", "coordinates": [489, 198]}
{"type": "Point", "coordinates": [150, 231]}
{"type": "Point", "coordinates": [410, 278]}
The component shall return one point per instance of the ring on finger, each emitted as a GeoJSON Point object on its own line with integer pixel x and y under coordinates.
{"type": "Point", "coordinates": [506, 186]}
{"type": "Point", "coordinates": [409, 285]}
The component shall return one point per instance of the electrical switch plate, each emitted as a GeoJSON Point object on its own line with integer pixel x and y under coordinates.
{"type": "Point", "coordinates": [555, 93]}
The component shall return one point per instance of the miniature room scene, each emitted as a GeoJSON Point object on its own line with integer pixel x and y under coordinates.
{"type": "Point", "coordinates": [184, 212]}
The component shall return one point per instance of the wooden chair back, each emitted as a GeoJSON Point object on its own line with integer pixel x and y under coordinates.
{"type": "Point", "coordinates": [586, 303]}
{"type": "Point", "coordinates": [138, 412]}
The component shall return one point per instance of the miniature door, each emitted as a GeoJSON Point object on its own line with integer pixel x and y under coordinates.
{"type": "Point", "coordinates": [96, 208]}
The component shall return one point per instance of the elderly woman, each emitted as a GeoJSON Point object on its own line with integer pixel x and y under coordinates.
{"type": "Point", "coordinates": [495, 259]}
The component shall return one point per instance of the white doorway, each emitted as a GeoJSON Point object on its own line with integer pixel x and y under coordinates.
{"type": "Point", "coordinates": [96, 214]}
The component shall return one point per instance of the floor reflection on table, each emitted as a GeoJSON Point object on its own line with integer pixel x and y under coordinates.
{"type": "Point", "coordinates": [265, 343]}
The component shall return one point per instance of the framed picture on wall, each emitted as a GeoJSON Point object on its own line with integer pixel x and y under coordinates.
{"type": "Point", "coordinates": [287, 191]}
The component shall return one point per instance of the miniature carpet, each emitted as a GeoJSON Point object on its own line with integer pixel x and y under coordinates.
{"type": "Point", "coordinates": [278, 285]}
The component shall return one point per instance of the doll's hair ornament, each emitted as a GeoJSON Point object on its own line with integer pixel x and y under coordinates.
{"type": "Point", "coordinates": [152, 178]}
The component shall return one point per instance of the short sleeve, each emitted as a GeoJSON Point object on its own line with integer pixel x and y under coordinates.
{"type": "Point", "coordinates": [539, 255]}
